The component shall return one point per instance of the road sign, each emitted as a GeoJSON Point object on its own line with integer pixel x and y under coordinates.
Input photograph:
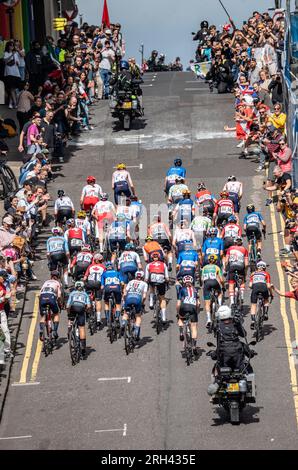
{"type": "Point", "coordinates": [71, 14]}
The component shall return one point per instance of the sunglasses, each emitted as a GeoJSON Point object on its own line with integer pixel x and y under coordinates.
{"type": "Point", "coordinates": [277, 109]}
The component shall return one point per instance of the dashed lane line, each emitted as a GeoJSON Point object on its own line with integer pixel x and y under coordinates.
{"type": "Point", "coordinates": [107, 379]}
{"type": "Point", "coordinates": [15, 437]}
{"type": "Point", "coordinates": [23, 377]}
{"type": "Point", "coordinates": [123, 430]}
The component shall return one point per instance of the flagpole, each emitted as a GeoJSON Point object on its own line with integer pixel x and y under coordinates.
{"type": "Point", "coordinates": [227, 13]}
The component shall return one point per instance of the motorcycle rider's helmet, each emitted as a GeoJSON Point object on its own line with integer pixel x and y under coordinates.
{"type": "Point", "coordinates": [204, 24]}
{"type": "Point", "coordinates": [224, 194]}
{"type": "Point", "coordinates": [124, 65]}
{"type": "Point", "coordinates": [261, 265]}
{"type": "Point", "coordinates": [201, 186]}
{"type": "Point", "coordinates": [178, 161]}
{"type": "Point", "coordinates": [60, 193]}
{"type": "Point", "coordinates": [232, 219]}
{"type": "Point", "coordinates": [86, 247]}
{"type": "Point", "coordinates": [81, 215]}
{"type": "Point", "coordinates": [212, 258]}
{"type": "Point", "coordinates": [232, 178]}
{"type": "Point", "coordinates": [98, 257]}
{"type": "Point", "coordinates": [213, 232]}
{"type": "Point", "coordinates": [91, 179]}
{"type": "Point", "coordinates": [250, 208]}
{"type": "Point", "coordinates": [104, 197]}
{"type": "Point", "coordinates": [79, 285]}
{"type": "Point", "coordinates": [139, 275]}
{"type": "Point", "coordinates": [109, 265]}
{"type": "Point", "coordinates": [187, 279]}
{"type": "Point", "coordinates": [224, 312]}
{"type": "Point", "coordinates": [121, 166]}
{"type": "Point", "coordinates": [179, 180]}
{"type": "Point", "coordinates": [56, 231]}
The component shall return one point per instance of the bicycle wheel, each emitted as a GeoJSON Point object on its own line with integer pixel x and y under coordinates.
{"type": "Point", "coordinates": [3, 186]}
{"type": "Point", "coordinates": [92, 322]}
{"type": "Point", "coordinates": [258, 326]}
{"type": "Point", "coordinates": [11, 180]}
{"type": "Point", "coordinates": [74, 345]}
{"type": "Point", "coordinates": [111, 322]}
{"type": "Point", "coordinates": [188, 344]}
{"type": "Point", "coordinates": [157, 315]}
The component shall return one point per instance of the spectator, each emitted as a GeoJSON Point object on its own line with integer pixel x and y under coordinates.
{"type": "Point", "coordinates": [11, 73]}
{"type": "Point", "coordinates": [108, 57]}
{"type": "Point", "coordinates": [25, 102]}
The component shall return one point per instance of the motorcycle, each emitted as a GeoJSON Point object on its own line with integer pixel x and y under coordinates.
{"type": "Point", "coordinates": [232, 389]}
{"type": "Point", "coordinates": [125, 106]}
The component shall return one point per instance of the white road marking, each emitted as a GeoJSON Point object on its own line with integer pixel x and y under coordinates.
{"type": "Point", "coordinates": [123, 430]}
{"type": "Point", "coordinates": [15, 437]}
{"type": "Point", "coordinates": [17, 384]}
{"type": "Point", "coordinates": [194, 81]}
{"type": "Point", "coordinates": [206, 135]}
{"type": "Point", "coordinates": [195, 89]}
{"type": "Point", "coordinates": [147, 85]}
{"type": "Point", "coordinates": [106, 379]}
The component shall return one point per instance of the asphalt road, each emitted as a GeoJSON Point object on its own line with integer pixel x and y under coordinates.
{"type": "Point", "coordinates": [157, 402]}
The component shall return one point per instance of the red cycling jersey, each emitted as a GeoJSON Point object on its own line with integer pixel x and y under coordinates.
{"type": "Point", "coordinates": [237, 255]}
{"type": "Point", "coordinates": [231, 231]}
{"type": "Point", "coordinates": [224, 206]}
{"type": "Point", "coordinates": [260, 276]}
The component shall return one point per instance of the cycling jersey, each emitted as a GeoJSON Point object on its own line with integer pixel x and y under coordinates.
{"type": "Point", "coordinates": [237, 255]}
{"type": "Point", "coordinates": [74, 237]}
{"type": "Point", "coordinates": [254, 219]}
{"type": "Point", "coordinates": [82, 259]}
{"type": "Point", "coordinates": [231, 231]}
{"type": "Point", "coordinates": [159, 231]}
{"type": "Point", "coordinates": [156, 272]}
{"type": "Point", "coordinates": [189, 296]}
{"type": "Point", "coordinates": [83, 224]}
{"type": "Point", "coordinates": [200, 224]}
{"type": "Point", "coordinates": [103, 209]}
{"type": "Point", "coordinates": [185, 209]}
{"type": "Point", "coordinates": [176, 192]}
{"type": "Point", "coordinates": [121, 176]}
{"type": "Point", "coordinates": [111, 279]}
{"type": "Point", "coordinates": [151, 247]}
{"type": "Point", "coordinates": [135, 291]}
{"type": "Point", "coordinates": [126, 210]}
{"type": "Point", "coordinates": [128, 261]}
{"type": "Point", "coordinates": [183, 234]}
{"type": "Point", "coordinates": [94, 273]}
{"type": "Point", "coordinates": [212, 246]}
{"type": "Point", "coordinates": [224, 207]}
{"type": "Point", "coordinates": [172, 175]}
{"type": "Point", "coordinates": [51, 287]}
{"type": "Point", "coordinates": [233, 187]}
{"type": "Point", "coordinates": [78, 299]}
{"type": "Point", "coordinates": [91, 191]}
{"type": "Point", "coordinates": [204, 196]}
{"type": "Point", "coordinates": [56, 245]}
{"type": "Point", "coordinates": [187, 261]}
{"type": "Point", "coordinates": [260, 277]}
{"type": "Point", "coordinates": [63, 203]}
{"type": "Point", "coordinates": [118, 230]}
{"type": "Point", "coordinates": [210, 272]}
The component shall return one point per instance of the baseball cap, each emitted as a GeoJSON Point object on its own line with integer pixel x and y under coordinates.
{"type": "Point", "coordinates": [8, 220]}
{"type": "Point", "coordinates": [108, 31]}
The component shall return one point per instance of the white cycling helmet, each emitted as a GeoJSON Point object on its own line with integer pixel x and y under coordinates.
{"type": "Point", "coordinates": [261, 265]}
{"type": "Point", "coordinates": [224, 312]}
{"type": "Point", "coordinates": [56, 231]}
{"type": "Point", "coordinates": [139, 275]}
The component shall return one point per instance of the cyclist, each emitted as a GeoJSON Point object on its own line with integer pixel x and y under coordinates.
{"type": "Point", "coordinates": [224, 208]}
{"type": "Point", "coordinates": [81, 261]}
{"type": "Point", "coordinates": [64, 208]}
{"type": "Point", "coordinates": [188, 303]}
{"type": "Point", "coordinates": [253, 224]}
{"type": "Point", "coordinates": [160, 233]}
{"type": "Point", "coordinates": [181, 235]}
{"type": "Point", "coordinates": [185, 208]}
{"type": "Point", "coordinates": [176, 191]}
{"type": "Point", "coordinates": [260, 283]}
{"type": "Point", "coordinates": [104, 213]}
{"type": "Point", "coordinates": [74, 237]}
{"type": "Point", "coordinates": [173, 173]}
{"type": "Point", "coordinates": [122, 183]}
{"type": "Point", "coordinates": [212, 279]}
{"type": "Point", "coordinates": [57, 252]}
{"type": "Point", "coordinates": [236, 260]}
{"type": "Point", "coordinates": [235, 190]}
{"type": "Point", "coordinates": [129, 262]}
{"type": "Point", "coordinates": [157, 275]}
{"type": "Point", "coordinates": [213, 245]}
{"type": "Point", "coordinates": [200, 226]}
{"type": "Point", "coordinates": [92, 279]}
{"type": "Point", "coordinates": [111, 282]}
{"type": "Point", "coordinates": [118, 235]}
{"type": "Point", "coordinates": [82, 222]}
{"type": "Point", "coordinates": [90, 194]}
{"type": "Point", "coordinates": [135, 293]}
{"type": "Point", "coordinates": [151, 246]}
{"type": "Point", "coordinates": [204, 198]}
{"type": "Point", "coordinates": [230, 232]}
{"type": "Point", "coordinates": [136, 210]}
{"type": "Point", "coordinates": [77, 305]}
{"type": "Point", "coordinates": [187, 261]}
{"type": "Point", "coordinates": [51, 296]}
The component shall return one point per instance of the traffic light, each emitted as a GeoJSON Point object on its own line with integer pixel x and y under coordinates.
{"type": "Point", "coordinates": [59, 24]}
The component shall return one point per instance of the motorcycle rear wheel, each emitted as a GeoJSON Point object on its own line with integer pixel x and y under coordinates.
{"type": "Point", "coordinates": [126, 122]}
{"type": "Point", "coordinates": [234, 413]}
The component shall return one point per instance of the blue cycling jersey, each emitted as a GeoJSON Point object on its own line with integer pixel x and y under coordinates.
{"type": "Point", "coordinates": [188, 295]}
{"type": "Point", "coordinates": [187, 258]}
{"type": "Point", "coordinates": [78, 297]}
{"type": "Point", "coordinates": [253, 219]}
{"type": "Point", "coordinates": [111, 278]}
{"type": "Point", "coordinates": [57, 245]}
{"type": "Point", "coordinates": [118, 230]}
{"type": "Point", "coordinates": [177, 170]}
{"type": "Point", "coordinates": [212, 246]}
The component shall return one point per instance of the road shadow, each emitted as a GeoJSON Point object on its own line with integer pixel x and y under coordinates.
{"type": "Point", "coordinates": [136, 125]}
{"type": "Point", "coordinates": [143, 342]}
{"type": "Point", "coordinates": [247, 416]}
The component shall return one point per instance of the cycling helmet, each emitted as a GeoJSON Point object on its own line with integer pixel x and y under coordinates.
{"type": "Point", "coordinates": [224, 312]}
{"type": "Point", "coordinates": [124, 65]}
{"type": "Point", "coordinates": [261, 265]}
{"type": "Point", "coordinates": [232, 178]}
{"type": "Point", "coordinates": [139, 275]}
{"type": "Point", "coordinates": [212, 258]}
{"type": "Point", "coordinates": [179, 179]}
{"type": "Point", "coordinates": [224, 194]}
{"type": "Point", "coordinates": [91, 179]}
{"type": "Point", "coordinates": [86, 247]}
{"type": "Point", "coordinates": [232, 219]}
{"type": "Point", "coordinates": [55, 273]}
{"type": "Point", "coordinates": [149, 238]}
{"type": "Point", "coordinates": [121, 166]}
{"type": "Point", "coordinates": [81, 215]}
{"type": "Point", "coordinates": [238, 240]}
{"type": "Point", "coordinates": [60, 193]}
{"type": "Point", "coordinates": [155, 254]}
{"type": "Point", "coordinates": [56, 230]}
{"type": "Point", "coordinates": [104, 197]}
{"type": "Point", "coordinates": [70, 222]}
{"type": "Point", "coordinates": [98, 257]}
{"type": "Point", "coordinates": [188, 245]}
{"type": "Point", "coordinates": [121, 217]}
{"type": "Point", "coordinates": [204, 24]}
{"type": "Point", "coordinates": [186, 192]}
{"type": "Point", "coordinates": [79, 285]}
{"type": "Point", "coordinates": [128, 247]}
{"type": "Point", "coordinates": [213, 231]}
{"type": "Point", "coordinates": [250, 208]}
{"type": "Point", "coordinates": [201, 186]}
{"type": "Point", "coordinates": [187, 279]}
{"type": "Point", "coordinates": [177, 162]}
{"type": "Point", "coordinates": [109, 265]}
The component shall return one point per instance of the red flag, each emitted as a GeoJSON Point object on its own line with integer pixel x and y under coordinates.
{"type": "Point", "coordinates": [105, 15]}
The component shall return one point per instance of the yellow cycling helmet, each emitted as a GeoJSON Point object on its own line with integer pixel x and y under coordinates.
{"type": "Point", "coordinates": [212, 258]}
{"type": "Point", "coordinates": [121, 166]}
{"type": "Point", "coordinates": [81, 214]}
{"type": "Point", "coordinates": [185, 192]}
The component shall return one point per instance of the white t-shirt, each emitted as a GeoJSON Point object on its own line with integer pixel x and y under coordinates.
{"type": "Point", "coordinates": [108, 57]}
{"type": "Point", "coordinates": [12, 70]}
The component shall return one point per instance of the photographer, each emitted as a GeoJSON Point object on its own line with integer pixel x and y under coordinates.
{"type": "Point", "coordinates": [282, 183]}
{"type": "Point", "coordinates": [275, 87]}
{"type": "Point", "coordinates": [290, 214]}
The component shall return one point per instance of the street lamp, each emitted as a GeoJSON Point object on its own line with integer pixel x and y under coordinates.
{"type": "Point", "coordinates": [141, 50]}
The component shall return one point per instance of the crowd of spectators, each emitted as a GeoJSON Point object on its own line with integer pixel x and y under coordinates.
{"type": "Point", "coordinates": [51, 87]}
{"type": "Point", "coordinates": [247, 63]}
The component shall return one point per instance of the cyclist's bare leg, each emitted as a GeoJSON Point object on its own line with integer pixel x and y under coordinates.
{"type": "Point", "coordinates": [163, 305]}
{"type": "Point", "coordinates": [208, 310]}
{"type": "Point", "coordinates": [232, 292]}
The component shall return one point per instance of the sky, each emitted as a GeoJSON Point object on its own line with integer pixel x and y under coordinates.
{"type": "Point", "coordinates": [166, 25]}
